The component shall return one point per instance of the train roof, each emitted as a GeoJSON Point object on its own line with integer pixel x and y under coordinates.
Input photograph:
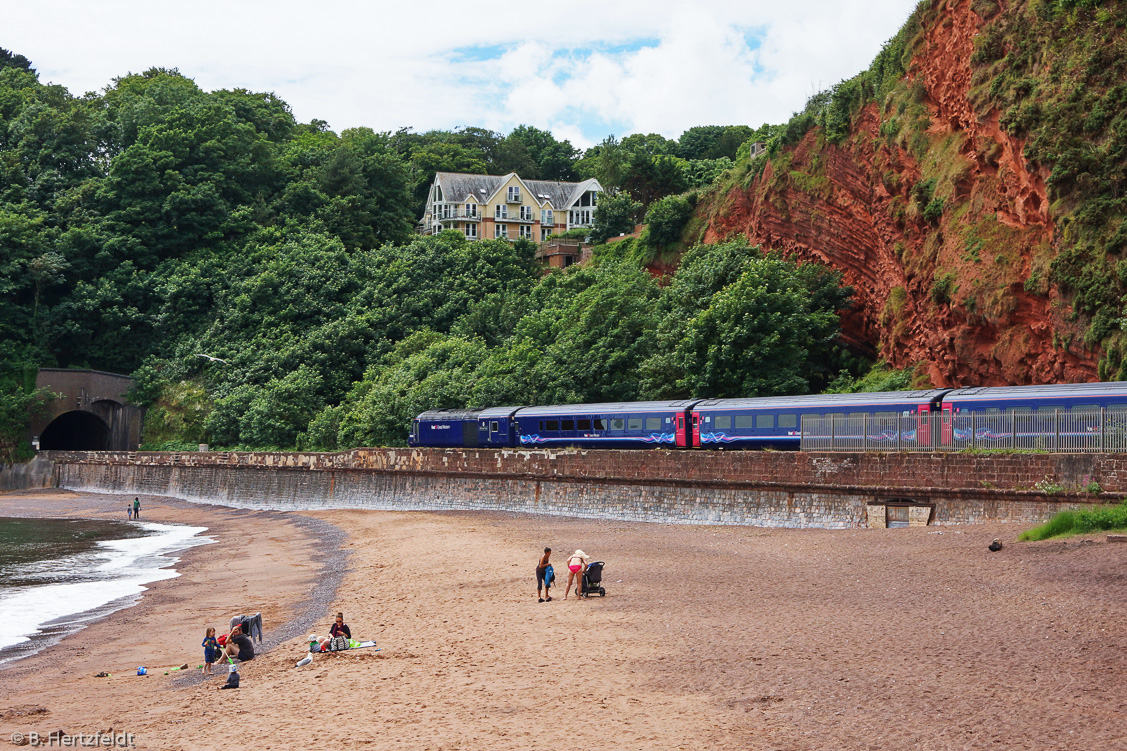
{"type": "Point", "coordinates": [824, 400]}
{"type": "Point", "coordinates": [449, 414]}
{"type": "Point", "coordinates": [488, 414]}
{"type": "Point", "coordinates": [608, 408]}
{"type": "Point", "coordinates": [1047, 391]}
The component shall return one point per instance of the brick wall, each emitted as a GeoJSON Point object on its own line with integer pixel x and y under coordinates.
{"type": "Point", "coordinates": [785, 489]}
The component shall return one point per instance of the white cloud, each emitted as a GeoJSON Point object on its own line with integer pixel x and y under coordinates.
{"type": "Point", "coordinates": [388, 65]}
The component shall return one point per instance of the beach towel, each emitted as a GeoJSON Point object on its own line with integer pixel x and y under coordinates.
{"type": "Point", "coordinates": [549, 575]}
{"type": "Point", "coordinates": [251, 625]}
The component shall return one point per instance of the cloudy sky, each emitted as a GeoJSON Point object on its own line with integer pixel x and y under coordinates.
{"type": "Point", "coordinates": [582, 69]}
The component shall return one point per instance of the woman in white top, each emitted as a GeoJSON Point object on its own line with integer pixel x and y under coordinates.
{"type": "Point", "coordinates": [576, 565]}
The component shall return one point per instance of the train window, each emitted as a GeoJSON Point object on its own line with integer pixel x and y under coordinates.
{"type": "Point", "coordinates": [764, 421]}
{"type": "Point", "coordinates": [1118, 408]}
{"type": "Point", "coordinates": [1046, 410]}
{"type": "Point", "coordinates": [1019, 411]}
{"type": "Point", "coordinates": [788, 421]}
{"type": "Point", "coordinates": [584, 424]}
{"type": "Point", "coordinates": [1086, 408]}
{"type": "Point", "coordinates": [835, 415]}
{"type": "Point", "coordinates": [541, 426]}
{"type": "Point", "coordinates": [884, 415]}
{"type": "Point", "coordinates": [634, 423]}
{"type": "Point", "coordinates": [600, 424]}
{"type": "Point", "coordinates": [553, 425]}
{"type": "Point", "coordinates": [494, 426]}
{"type": "Point", "coordinates": [617, 423]}
{"type": "Point", "coordinates": [723, 422]}
{"type": "Point", "coordinates": [857, 415]}
{"type": "Point", "coordinates": [744, 421]}
{"type": "Point", "coordinates": [568, 425]}
{"type": "Point", "coordinates": [993, 411]}
{"type": "Point", "coordinates": [653, 423]}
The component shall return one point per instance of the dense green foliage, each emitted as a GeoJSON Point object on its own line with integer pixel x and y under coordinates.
{"type": "Point", "coordinates": [151, 224]}
{"type": "Point", "coordinates": [731, 322]}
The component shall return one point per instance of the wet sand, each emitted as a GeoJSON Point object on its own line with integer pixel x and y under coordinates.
{"type": "Point", "coordinates": [709, 637]}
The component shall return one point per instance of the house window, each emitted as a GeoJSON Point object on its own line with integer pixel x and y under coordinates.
{"type": "Point", "coordinates": [546, 217]}
{"type": "Point", "coordinates": [525, 231]}
{"type": "Point", "coordinates": [500, 211]}
{"type": "Point", "coordinates": [501, 231]}
{"type": "Point", "coordinates": [544, 233]}
{"type": "Point", "coordinates": [514, 194]}
{"type": "Point", "coordinates": [471, 210]}
{"type": "Point", "coordinates": [471, 231]}
{"type": "Point", "coordinates": [526, 213]}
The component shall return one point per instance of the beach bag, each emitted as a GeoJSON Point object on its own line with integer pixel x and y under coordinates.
{"type": "Point", "coordinates": [338, 643]}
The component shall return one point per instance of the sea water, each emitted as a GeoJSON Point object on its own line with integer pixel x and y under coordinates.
{"type": "Point", "coordinates": [58, 575]}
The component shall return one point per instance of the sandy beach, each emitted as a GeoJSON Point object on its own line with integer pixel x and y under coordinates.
{"type": "Point", "coordinates": [708, 638]}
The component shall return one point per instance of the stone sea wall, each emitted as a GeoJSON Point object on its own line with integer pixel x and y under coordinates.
{"type": "Point", "coordinates": [771, 489]}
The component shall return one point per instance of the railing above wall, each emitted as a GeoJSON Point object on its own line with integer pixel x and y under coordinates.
{"type": "Point", "coordinates": [1054, 431]}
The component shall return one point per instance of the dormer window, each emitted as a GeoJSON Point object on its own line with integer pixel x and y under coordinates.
{"type": "Point", "coordinates": [514, 194]}
{"type": "Point", "coordinates": [471, 209]}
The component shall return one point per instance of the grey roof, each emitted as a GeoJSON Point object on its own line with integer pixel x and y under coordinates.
{"type": "Point", "coordinates": [449, 414]}
{"type": "Point", "coordinates": [488, 414]}
{"type": "Point", "coordinates": [1046, 391]}
{"type": "Point", "coordinates": [605, 409]}
{"type": "Point", "coordinates": [458, 185]}
{"type": "Point", "coordinates": [823, 400]}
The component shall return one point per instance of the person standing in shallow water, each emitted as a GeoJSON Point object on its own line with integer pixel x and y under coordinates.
{"type": "Point", "coordinates": [544, 576]}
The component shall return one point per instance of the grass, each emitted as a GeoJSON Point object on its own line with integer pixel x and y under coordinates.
{"type": "Point", "coordinates": [1069, 523]}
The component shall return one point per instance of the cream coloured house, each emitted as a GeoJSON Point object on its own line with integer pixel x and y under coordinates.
{"type": "Point", "coordinates": [507, 207]}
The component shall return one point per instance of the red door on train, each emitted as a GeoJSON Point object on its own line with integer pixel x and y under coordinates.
{"type": "Point", "coordinates": [946, 425]}
{"type": "Point", "coordinates": [923, 425]}
{"type": "Point", "coordinates": [696, 429]}
{"type": "Point", "coordinates": [679, 421]}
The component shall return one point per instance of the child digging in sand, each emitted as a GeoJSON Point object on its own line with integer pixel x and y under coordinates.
{"type": "Point", "coordinates": [210, 650]}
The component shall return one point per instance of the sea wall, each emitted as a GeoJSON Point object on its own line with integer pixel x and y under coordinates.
{"type": "Point", "coordinates": [774, 489]}
{"type": "Point", "coordinates": [37, 473]}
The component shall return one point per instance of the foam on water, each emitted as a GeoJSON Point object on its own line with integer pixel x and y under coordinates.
{"type": "Point", "coordinates": [108, 578]}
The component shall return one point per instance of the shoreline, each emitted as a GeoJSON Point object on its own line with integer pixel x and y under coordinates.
{"type": "Point", "coordinates": [203, 573]}
{"type": "Point", "coordinates": [726, 638]}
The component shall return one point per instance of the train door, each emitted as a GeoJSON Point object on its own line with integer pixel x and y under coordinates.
{"type": "Point", "coordinates": [946, 422]}
{"type": "Point", "coordinates": [696, 429]}
{"type": "Point", "coordinates": [923, 425]}
{"type": "Point", "coordinates": [679, 423]}
{"type": "Point", "coordinates": [469, 433]}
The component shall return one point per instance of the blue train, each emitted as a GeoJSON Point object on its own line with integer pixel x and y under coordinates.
{"type": "Point", "coordinates": [767, 422]}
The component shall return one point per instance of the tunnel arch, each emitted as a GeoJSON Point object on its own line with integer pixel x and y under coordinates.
{"type": "Point", "coordinates": [76, 431]}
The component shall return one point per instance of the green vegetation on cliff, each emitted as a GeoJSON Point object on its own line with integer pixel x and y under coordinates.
{"type": "Point", "coordinates": [1034, 138]}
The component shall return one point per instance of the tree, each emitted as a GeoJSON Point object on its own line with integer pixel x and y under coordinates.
{"type": "Point", "coordinates": [615, 214]}
{"type": "Point", "coordinates": [10, 59]}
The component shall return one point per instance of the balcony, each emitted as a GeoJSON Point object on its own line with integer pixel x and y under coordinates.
{"type": "Point", "coordinates": [513, 198]}
{"type": "Point", "coordinates": [460, 216]}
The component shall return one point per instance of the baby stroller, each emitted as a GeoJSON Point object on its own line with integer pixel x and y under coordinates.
{"type": "Point", "coordinates": [593, 579]}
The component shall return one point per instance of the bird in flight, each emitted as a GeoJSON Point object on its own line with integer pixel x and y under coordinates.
{"type": "Point", "coordinates": [214, 359]}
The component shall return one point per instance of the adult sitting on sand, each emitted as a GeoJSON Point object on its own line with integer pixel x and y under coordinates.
{"type": "Point", "coordinates": [239, 646]}
{"type": "Point", "coordinates": [337, 629]}
{"type": "Point", "coordinates": [576, 565]}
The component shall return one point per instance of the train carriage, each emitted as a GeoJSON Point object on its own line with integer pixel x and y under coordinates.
{"type": "Point", "coordinates": [888, 418]}
{"type": "Point", "coordinates": [1072, 417]}
{"type": "Point", "coordinates": [611, 425]}
{"type": "Point", "coordinates": [445, 427]}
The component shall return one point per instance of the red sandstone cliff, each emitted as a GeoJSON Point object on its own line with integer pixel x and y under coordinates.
{"type": "Point", "coordinates": [965, 293]}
